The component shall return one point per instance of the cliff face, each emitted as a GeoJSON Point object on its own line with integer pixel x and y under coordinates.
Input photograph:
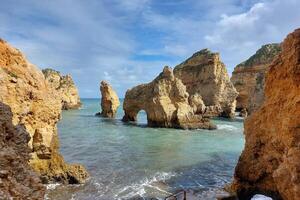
{"type": "Point", "coordinates": [37, 106]}
{"type": "Point", "coordinates": [270, 162]}
{"type": "Point", "coordinates": [166, 103]}
{"type": "Point", "coordinates": [17, 180]}
{"type": "Point", "coordinates": [65, 87]}
{"type": "Point", "coordinates": [109, 100]}
{"type": "Point", "coordinates": [249, 77]}
{"type": "Point", "coordinates": [204, 74]}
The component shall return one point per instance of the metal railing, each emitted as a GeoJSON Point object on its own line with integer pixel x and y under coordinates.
{"type": "Point", "coordinates": [176, 195]}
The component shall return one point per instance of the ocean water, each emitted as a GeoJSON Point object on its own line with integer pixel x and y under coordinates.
{"type": "Point", "coordinates": [133, 161]}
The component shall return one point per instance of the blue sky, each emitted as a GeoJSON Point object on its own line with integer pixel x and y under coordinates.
{"type": "Point", "coordinates": [127, 42]}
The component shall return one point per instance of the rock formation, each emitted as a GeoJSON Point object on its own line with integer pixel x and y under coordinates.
{"type": "Point", "coordinates": [17, 180]}
{"type": "Point", "coordinates": [166, 103]}
{"type": "Point", "coordinates": [37, 106]}
{"type": "Point", "coordinates": [270, 162]}
{"type": "Point", "coordinates": [204, 74]}
{"type": "Point", "coordinates": [249, 77]}
{"type": "Point", "coordinates": [109, 100]}
{"type": "Point", "coordinates": [65, 87]}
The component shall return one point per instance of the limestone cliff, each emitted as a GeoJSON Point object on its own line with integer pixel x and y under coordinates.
{"type": "Point", "coordinates": [65, 87]}
{"type": "Point", "coordinates": [109, 100]}
{"type": "Point", "coordinates": [17, 180]}
{"type": "Point", "coordinates": [204, 74]}
{"type": "Point", "coordinates": [249, 77]}
{"type": "Point", "coordinates": [37, 106]}
{"type": "Point", "coordinates": [270, 162]}
{"type": "Point", "coordinates": [166, 103]}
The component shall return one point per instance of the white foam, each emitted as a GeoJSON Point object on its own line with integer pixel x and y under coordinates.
{"type": "Point", "coordinates": [138, 189]}
{"type": "Point", "coordinates": [52, 186]}
{"type": "Point", "coordinates": [226, 127]}
{"type": "Point", "coordinates": [260, 197]}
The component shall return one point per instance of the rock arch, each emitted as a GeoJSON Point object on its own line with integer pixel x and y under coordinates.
{"type": "Point", "coordinates": [165, 101]}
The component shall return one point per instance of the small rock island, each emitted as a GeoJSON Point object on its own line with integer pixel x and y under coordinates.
{"type": "Point", "coordinates": [166, 102]}
{"type": "Point", "coordinates": [109, 101]}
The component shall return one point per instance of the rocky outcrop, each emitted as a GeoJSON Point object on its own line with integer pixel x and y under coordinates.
{"type": "Point", "coordinates": [166, 103]}
{"type": "Point", "coordinates": [109, 100]}
{"type": "Point", "coordinates": [64, 85]}
{"type": "Point", "coordinates": [17, 180]}
{"type": "Point", "coordinates": [270, 162]}
{"type": "Point", "coordinates": [37, 106]}
{"type": "Point", "coordinates": [204, 74]}
{"type": "Point", "coordinates": [249, 77]}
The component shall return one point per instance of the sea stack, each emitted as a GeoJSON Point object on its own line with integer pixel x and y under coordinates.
{"type": "Point", "coordinates": [166, 103]}
{"type": "Point", "coordinates": [37, 106]}
{"type": "Point", "coordinates": [205, 75]}
{"type": "Point", "coordinates": [17, 179]}
{"type": "Point", "coordinates": [65, 87]}
{"type": "Point", "coordinates": [249, 77]}
{"type": "Point", "coordinates": [270, 162]}
{"type": "Point", "coordinates": [109, 100]}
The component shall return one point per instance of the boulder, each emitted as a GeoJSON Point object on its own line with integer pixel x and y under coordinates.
{"type": "Point", "coordinates": [65, 87]}
{"type": "Point", "coordinates": [36, 105]}
{"type": "Point", "coordinates": [204, 74]}
{"type": "Point", "coordinates": [109, 100]}
{"type": "Point", "coordinates": [166, 103]}
{"type": "Point", "coordinates": [17, 179]}
{"type": "Point", "coordinates": [249, 77]}
{"type": "Point", "coordinates": [270, 162]}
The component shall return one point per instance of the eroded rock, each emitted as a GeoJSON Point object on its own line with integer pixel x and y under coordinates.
{"type": "Point", "coordinates": [17, 179]}
{"type": "Point", "coordinates": [249, 77]}
{"type": "Point", "coordinates": [204, 74]}
{"type": "Point", "coordinates": [109, 100]}
{"type": "Point", "coordinates": [166, 103]}
{"type": "Point", "coordinates": [36, 105]}
{"type": "Point", "coordinates": [65, 87]}
{"type": "Point", "coordinates": [270, 162]}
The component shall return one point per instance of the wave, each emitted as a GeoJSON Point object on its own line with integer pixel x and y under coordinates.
{"type": "Point", "coordinates": [226, 127]}
{"type": "Point", "coordinates": [52, 186]}
{"type": "Point", "coordinates": [260, 197]}
{"type": "Point", "coordinates": [139, 189]}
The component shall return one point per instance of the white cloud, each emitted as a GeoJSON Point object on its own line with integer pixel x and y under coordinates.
{"type": "Point", "coordinates": [100, 39]}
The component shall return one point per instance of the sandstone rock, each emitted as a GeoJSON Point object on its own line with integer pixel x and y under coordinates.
{"type": "Point", "coordinates": [109, 100]}
{"type": "Point", "coordinates": [37, 106]}
{"type": "Point", "coordinates": [166, 103]}
{"type": "Point", "coordinates": [204, 74]}
{"type": "Point", "coordinates": [270, 162]}
{"type": "Point", "coordinates": [65, 87]}
{"type": "Point", "coordinates": [17, 180]}
{"type": "Point", "coordinates": [249, 77]}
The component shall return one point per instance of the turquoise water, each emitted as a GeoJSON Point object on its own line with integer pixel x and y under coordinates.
{"type": "Point", "coordinates": [132, 161]}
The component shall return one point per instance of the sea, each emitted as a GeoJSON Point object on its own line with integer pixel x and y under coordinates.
{"type": "Point", "coordinates": [133, 161]}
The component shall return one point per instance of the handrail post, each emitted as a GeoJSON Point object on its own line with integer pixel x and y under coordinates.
{"type": "Point", "coordinates": [184, 195]}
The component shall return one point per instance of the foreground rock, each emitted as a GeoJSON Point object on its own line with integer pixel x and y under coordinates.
{"type": "Point", "coordinates": [65, 87]}
{"type": "Point", "coordinates": [17, 180]}
{"type": "Point", "coordinates": [249, 77]}
{"type": "Point", "coordinates": [270, 162]}
{"type": "Point", "coordinates": [205, 75]}
{"type": "Point", "coordinates": [166, 103]}
{"type": "Point", "coordinates": [109, 100]}
{"type": "Point", "coordinates": [38, 107]}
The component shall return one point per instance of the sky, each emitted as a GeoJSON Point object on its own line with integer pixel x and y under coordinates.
{"type": "Point", "coordinates": [128, 42]}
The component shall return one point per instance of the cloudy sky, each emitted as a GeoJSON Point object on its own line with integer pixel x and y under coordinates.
{"type": "Point", "coordinates": [127, 42]}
